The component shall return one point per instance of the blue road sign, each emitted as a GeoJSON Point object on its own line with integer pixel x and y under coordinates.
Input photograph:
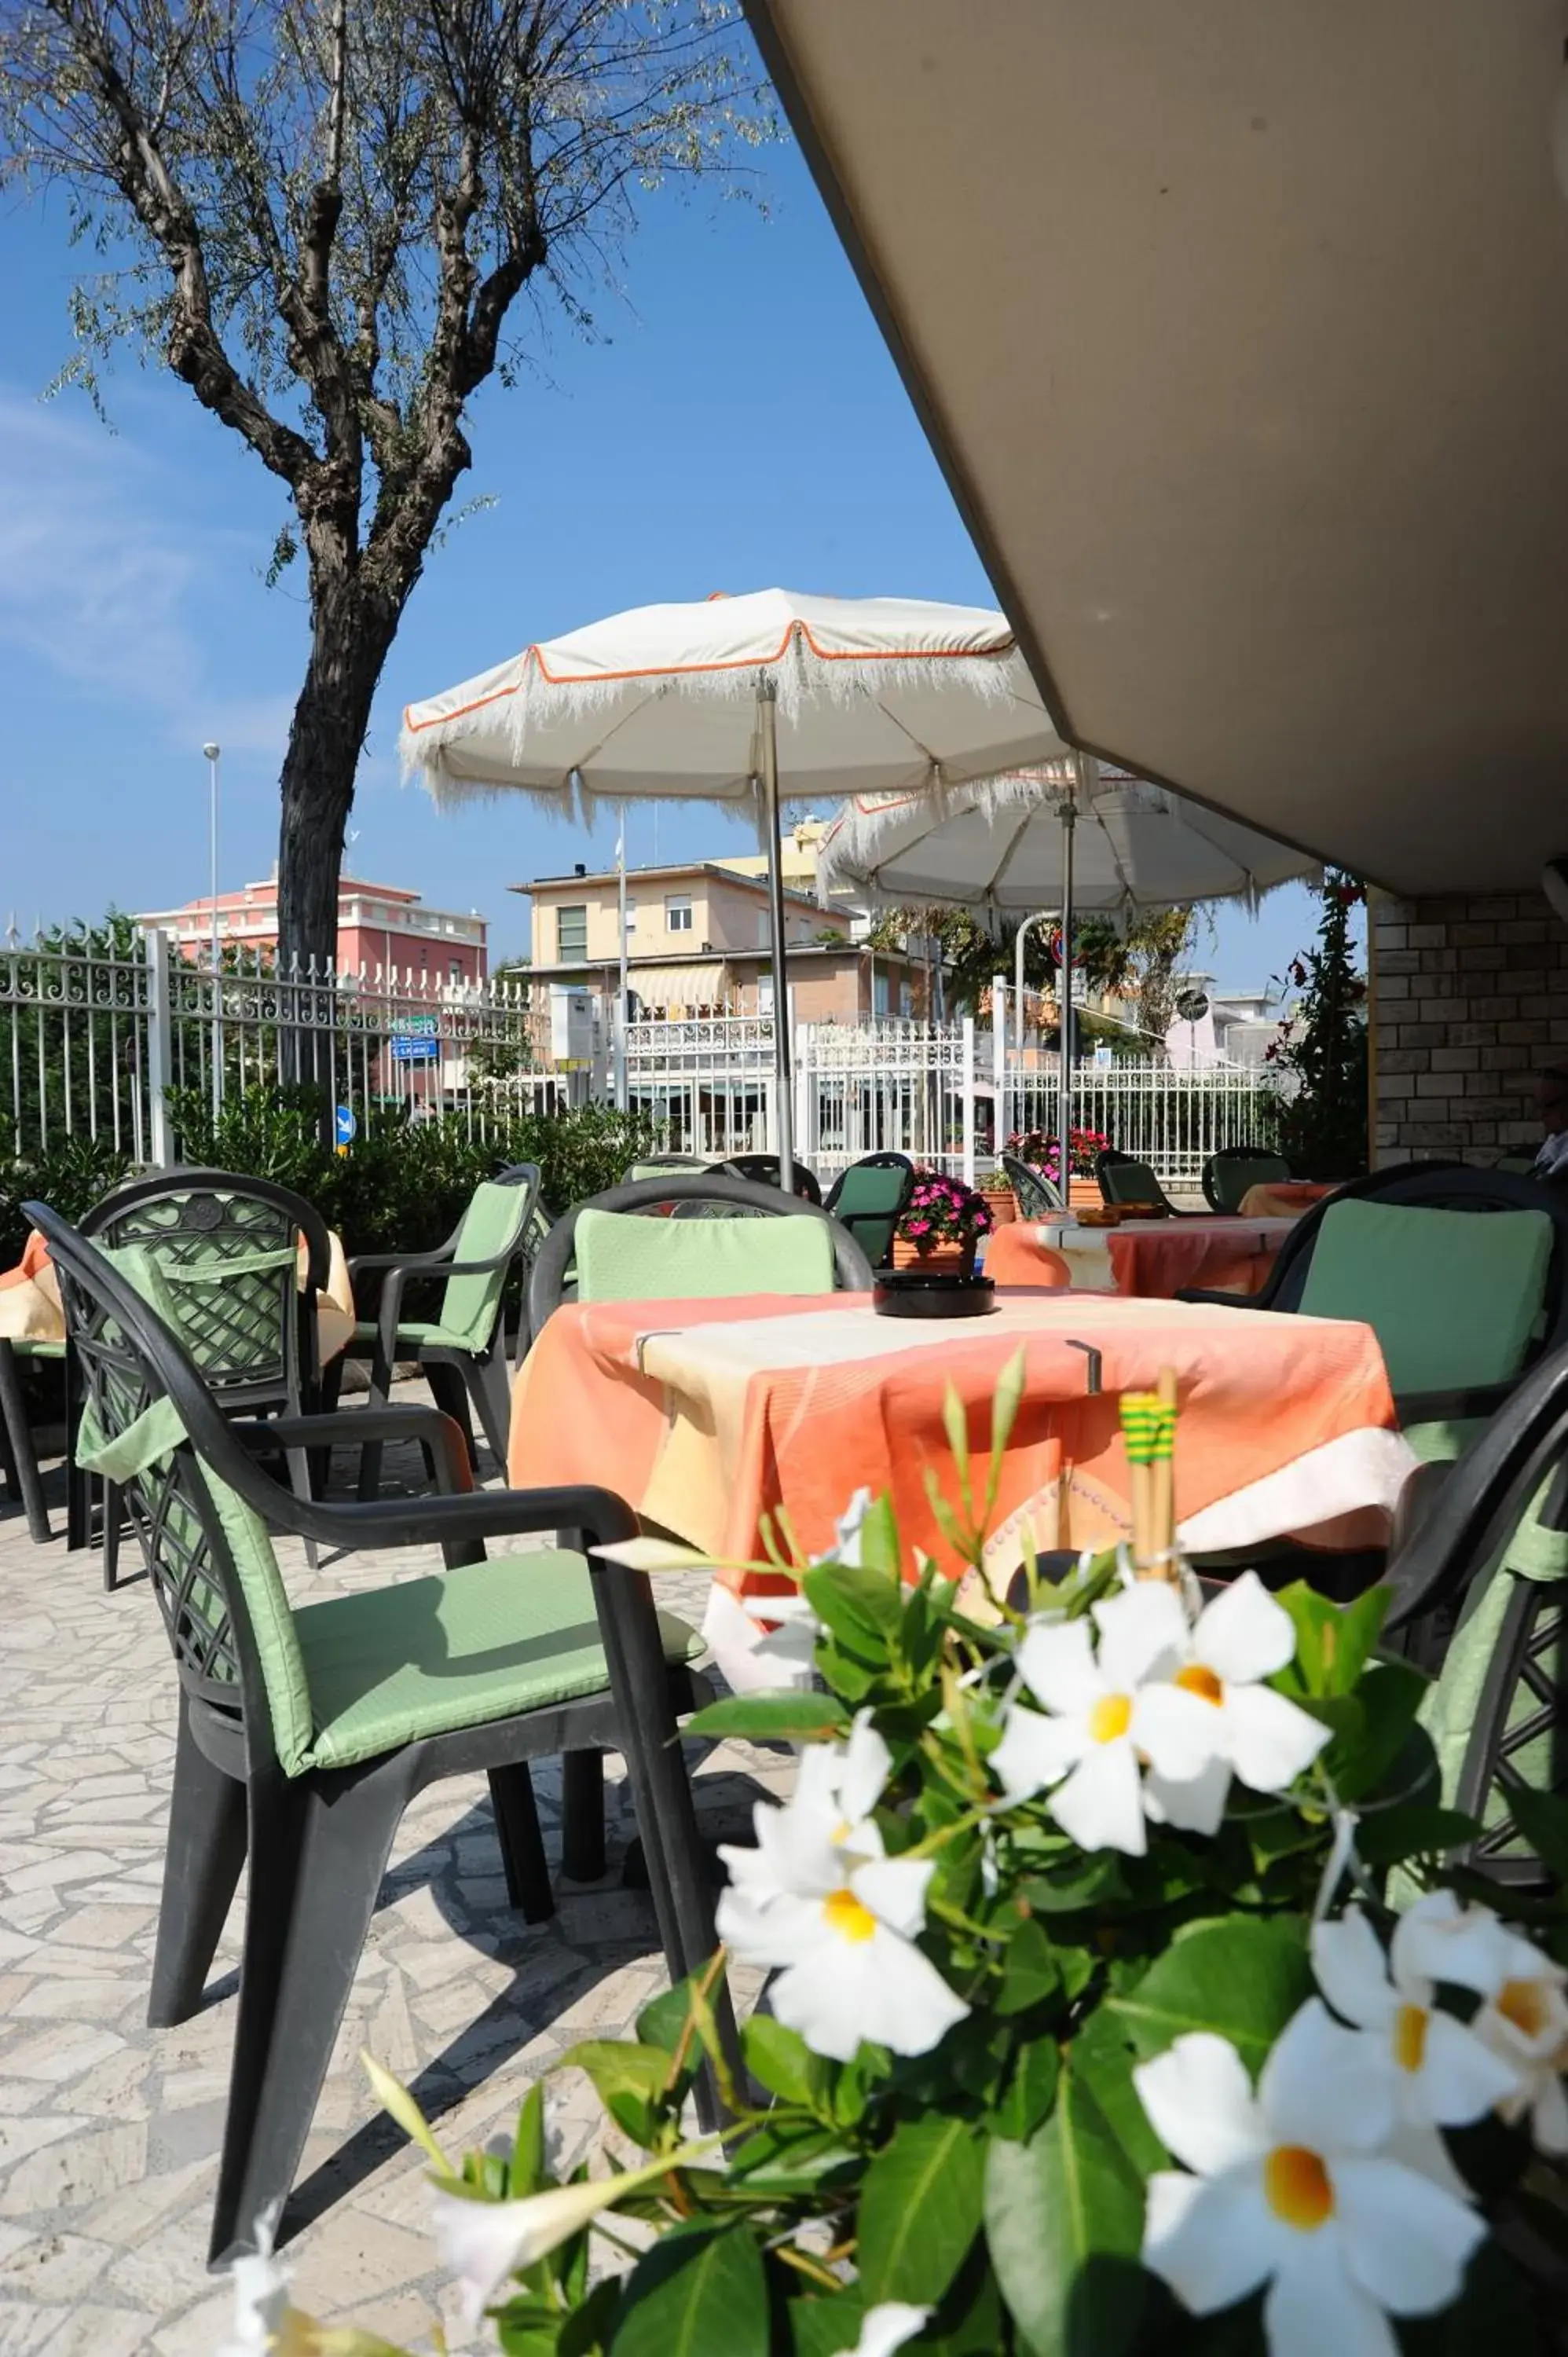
{"type": "Point", "coordinates": [346, 1126]}
{"type": "Point", "coordinates": [415, 1048]}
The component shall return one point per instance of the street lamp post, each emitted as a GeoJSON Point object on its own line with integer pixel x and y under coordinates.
{"type": "Point", "coordinates": [212, 754]}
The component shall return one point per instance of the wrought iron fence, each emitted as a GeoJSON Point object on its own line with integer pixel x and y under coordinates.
{"type": "Point", "coordinates": [99, 1037]}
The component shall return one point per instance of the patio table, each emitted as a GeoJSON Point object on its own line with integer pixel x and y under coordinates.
{"type": "Point", "coordinates": [1153, 1259]}
{"type": "Point", "coordinates": [706, 1414]}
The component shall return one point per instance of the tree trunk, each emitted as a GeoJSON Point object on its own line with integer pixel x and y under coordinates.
{"type": "Point", "coordinates": [351, 638]}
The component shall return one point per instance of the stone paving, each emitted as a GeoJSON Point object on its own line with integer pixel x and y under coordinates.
{"type": "Point", "coordinates": [109, 2131]}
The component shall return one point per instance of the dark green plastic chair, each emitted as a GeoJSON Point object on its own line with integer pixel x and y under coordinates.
{"type": "Point", "coordinates": [1228, 1175]}
{"type": "Point", "coordinates": [869, 1199]}
{"type": "Point", "coordinates": [305, 1732]}
{"type": "Point", "coordinates": [664, 1166]}
{"type": "Point", "coordinates": [463, 1348]}
{"type": "Point", "coordinates": [229, 1244]}
{"type": "Point", "coordinates": [18, 1452]}
{"type": "Point", "coordinates": [1123, 1180]}
{"type": "Point", "coordinates": [629, 1252]}
{"type": "Point", "coordinates": [1036, 1196]}
{"type": "Point", "coordinates": [1479, 1587]}
{"type": "Point", "coordinates": [763, 1170]}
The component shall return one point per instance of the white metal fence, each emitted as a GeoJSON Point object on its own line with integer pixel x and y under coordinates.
{"type": "Point", "coordinates": [98, 1039]}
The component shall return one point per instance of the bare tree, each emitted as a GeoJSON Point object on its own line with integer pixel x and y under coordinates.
{"type": "Point", "coordinates": [320, 214]}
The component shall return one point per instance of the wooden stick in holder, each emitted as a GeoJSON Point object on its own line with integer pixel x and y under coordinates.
{"type": "Point", "coordinates": [1148, 1425]}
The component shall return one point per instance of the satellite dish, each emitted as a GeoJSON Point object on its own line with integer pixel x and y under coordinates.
{"type": "Point", "coordinates": [1192, 1006]}
{"type": "Point", "coordinates": [1554, 884]}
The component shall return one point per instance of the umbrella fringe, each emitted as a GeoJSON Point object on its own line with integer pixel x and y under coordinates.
{"type": "Point", "coordinates": [800, 677]}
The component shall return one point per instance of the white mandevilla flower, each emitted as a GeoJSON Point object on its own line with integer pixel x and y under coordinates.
{"type": "Point", "coordinates": [265, 2321]}
{"type": "Point", "coordinates": [887, 2326]}
{"type": "Point", "coordinates": [1440, 2073]}
{"type": "Point", "coordinates": [1290, 2190]}
{"type": "Point", "coordinates": [819, 1898]}
{"type": "Point", "coordinates": [1111, 1709]}
{"type": "Point", "coordinates": [1524, 2022]}
{"type": "Point", "coordinates": [787, 1638]}
{"type": "Point", "coordinates": [1240, 1640]}
{"type": "Point", "coordinates": [847, 1533]}
{"type": "Point", "coordinates": [482, 2243]}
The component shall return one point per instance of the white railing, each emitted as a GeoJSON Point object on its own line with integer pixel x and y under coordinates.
{"type": "Point", "coordinates": [99, 1040]}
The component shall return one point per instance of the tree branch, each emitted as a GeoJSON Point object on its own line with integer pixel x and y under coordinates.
{"type": "Point", "coordinates": [195, 351]}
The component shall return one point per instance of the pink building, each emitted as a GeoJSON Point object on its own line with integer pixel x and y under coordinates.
{"type": "Point", "coordinates": [381, 929]}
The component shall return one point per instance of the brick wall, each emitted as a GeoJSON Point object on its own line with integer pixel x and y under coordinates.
{"type": "Point", "coordinates": [1470, 998]}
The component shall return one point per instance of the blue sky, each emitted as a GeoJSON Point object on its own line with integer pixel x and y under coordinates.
{"type": "Point", "coordinates": [740, 425]}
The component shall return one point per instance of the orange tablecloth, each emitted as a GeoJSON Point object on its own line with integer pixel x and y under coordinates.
{"type": "Point", "coordinates": [704, 1415]}
{"type": "Point", "coordinates": [1153, 1259]}
{"type": "Point", "coordinates": [1285, 1198]}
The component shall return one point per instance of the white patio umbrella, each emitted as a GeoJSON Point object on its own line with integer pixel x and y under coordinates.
{"type": "Point", "coordinates": [752, 700]}
{"type": "Point", "coordinates": [1067, 834]}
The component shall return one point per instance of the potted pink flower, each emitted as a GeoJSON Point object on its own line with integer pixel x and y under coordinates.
{"type": "Point", "coordinates": [941, 1225]}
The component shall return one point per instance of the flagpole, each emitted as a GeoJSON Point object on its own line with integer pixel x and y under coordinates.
{"type": "Point", "coordinates": [623, 999]}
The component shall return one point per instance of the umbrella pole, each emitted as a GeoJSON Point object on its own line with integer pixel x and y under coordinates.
{"type": "Point", "coordinates": [1064, 997]}
{"type": "Point", "coordinates": [768, 736]}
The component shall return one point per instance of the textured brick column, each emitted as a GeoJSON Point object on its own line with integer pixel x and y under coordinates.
{"type": "Point", "coordinates": [1469, 994]}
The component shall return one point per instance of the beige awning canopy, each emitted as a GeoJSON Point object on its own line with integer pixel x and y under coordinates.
{"type": "Point", "coordinates": [1241, 327]}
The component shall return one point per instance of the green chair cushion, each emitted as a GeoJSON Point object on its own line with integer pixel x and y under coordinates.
{"type": "Point", "coordinates": [869, 1193]}
{"type": "Point", "coordinates": [28, 1349]}
{"type": "Point", "coordinates": [250, 1542]}
{"type": "Point", "coordinates": [391, 1664]}
{"type": "Point", "coordinates": [1453, 1297]}
{"type": "Point", "coordinates": [1233, 1175]}
{"type": "Point", "coordinates": [415, 1332]}
{"type": "Point", "coordinates": [491, 1224]}
{"type": "Point", "coordinates": [623, 1258]}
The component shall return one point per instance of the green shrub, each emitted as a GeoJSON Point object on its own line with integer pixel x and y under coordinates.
{"type": "Point", "coordinates": [402, 1186]}
{"type": "Point", "coordinates": [70, 1177]}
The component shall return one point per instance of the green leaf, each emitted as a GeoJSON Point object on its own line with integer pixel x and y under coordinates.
{"type": "Point", "coordinates": [1384, 1836]}
{"type": "Point", "coordinates": [919, 2211]}
{"type": "Point", "coordinates": [528, 2145]}
{"type": "Point", "coordinates": [699, 2291]}
{"type": "Point", "coordinates": [1102, 2059]}
{"type": "Point", "coordinates": [792, 2157]}
{"type": "Point", "coordinates": [1029, 1970]}
{"type": "Point", "coordinates": [1333, 1643]}
{"type": "Point", "coordinates": [629, 2080]}
{"type": "Point", "coordinates": [1027, 2101]}
{"type": "Point", "coordinates": [863, 1607]}
{"type": "Point", "coordinates": [1064, 2222]}
{"type": "Point", "coordinates": [1543, 1819]}
{"type": "Point", "coordinates": [663, 2018]}
{"type": "Point", "coordinates": [1238, 1975]}
{"type": "Point", "coordinates": [1093, 1881]}
{"type": "Point", "coordinates": [783, 2061]}
{"type": "Point", "coordinates": [798, 1716]}
{"type": "Point", "coordinates": [1387, 1698]}
{"type": "Point", "coordinates": [821, 2327]}
{"type": "Point", "coordinates": [880, 1550]}
{"type": "Point", "coordinates": [590, 2328]}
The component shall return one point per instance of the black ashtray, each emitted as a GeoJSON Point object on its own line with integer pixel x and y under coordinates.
{"type": "Point", "coordinates": [932, 1293]}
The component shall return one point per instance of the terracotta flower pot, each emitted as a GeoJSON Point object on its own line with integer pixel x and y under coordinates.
{"type": "Point", "coordinates": [1003, 1210]}
{"type": "Point", "coordinates": [1081, 1191]}
{"type": "Point", "coordinates": [949, 1254]}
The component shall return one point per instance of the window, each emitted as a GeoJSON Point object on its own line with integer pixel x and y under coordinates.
{"type": "Point", "coordinates": [631, 915]}
{"type": "Point", "coordinates": [677, 912]}
{"type": "Point", "coordinates": [453, 969]}
{"type": "Point", "coordinates": [764, 930]}
{"type": "Point", "coordinates": [572, 932]}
